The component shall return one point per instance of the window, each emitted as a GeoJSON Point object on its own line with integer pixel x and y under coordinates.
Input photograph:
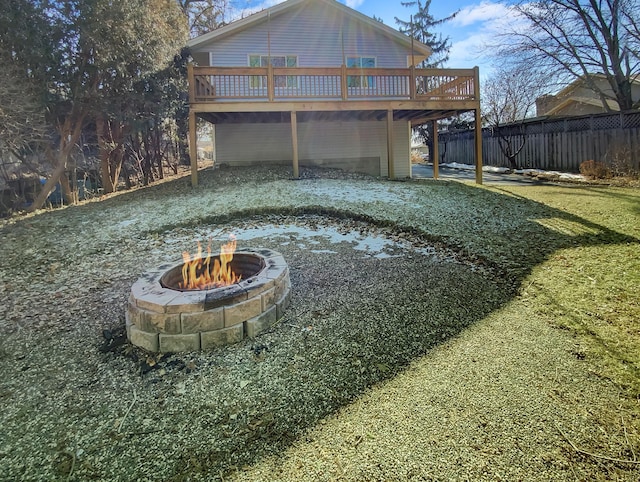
{"type": "Point", "coordinates": [258, 81]}
{"type": "Point", "coordinates": [361, 80]}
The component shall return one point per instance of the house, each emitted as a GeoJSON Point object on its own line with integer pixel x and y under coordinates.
{"type": "Point", "coordinates": [578, 98]}
{"type": "Point", "coordinates": [314, 82]}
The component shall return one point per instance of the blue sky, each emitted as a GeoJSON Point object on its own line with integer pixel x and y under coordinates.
{"type": "Point", "coordinates": [477, 23]}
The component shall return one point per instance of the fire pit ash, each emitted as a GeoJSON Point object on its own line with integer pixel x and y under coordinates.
{"type": "Point", "coordinates": [208, 301]}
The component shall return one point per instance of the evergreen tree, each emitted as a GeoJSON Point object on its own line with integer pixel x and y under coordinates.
{"type": "Point", "coordinates": [421, 28]}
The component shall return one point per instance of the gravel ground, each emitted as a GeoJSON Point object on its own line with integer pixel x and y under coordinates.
{"type": "Point", "coordinates": [407, 353]}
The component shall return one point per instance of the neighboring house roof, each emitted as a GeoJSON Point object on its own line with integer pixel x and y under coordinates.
{"type": "Point", "coordinates": [421, 50]}
{"type": "Point", "coordinates": [590, 101]}
{"type": "Point", "coordinates": [579, 93]}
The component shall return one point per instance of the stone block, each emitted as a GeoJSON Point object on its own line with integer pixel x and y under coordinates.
{"type": "Point", "coordinates": [148, 341]}
{"type": "Point", "coordinates": [224, 296]}
{"type": "Point", "coordinates": [277, 272]}
{"type": "Point", "coordinates": [268, 299]}
{"type": "Point", "coordinates": [203, 321]}
{"type": "Point", "coordinates": [283, 303]}
{"type": "Point", "coordinates": [242, 311]}
{"type": "Point", "coordinates": [160, 322]}
{"type": "Point", "coordinates": [257, 285]}
{"type": "Point", "coordinates": [132, 315]}
{"type": "Point", "coordinates": [217, 338]}
{"type": "Point", "coordinates": [178, 343]}
{"type": "Point", "coordinates": [257, 325]}
{"type": "Point", "coordinates": [282, 286]}
{"type": "Point", "coordinates": [187, 302]}
{"type": "Point", "coordinates": [154, 299]}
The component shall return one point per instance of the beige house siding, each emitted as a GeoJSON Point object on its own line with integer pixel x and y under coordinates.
{"type": "Point", "coordinates": [577, 99]}
{"type": "Point", "coordinates": [349, 145]}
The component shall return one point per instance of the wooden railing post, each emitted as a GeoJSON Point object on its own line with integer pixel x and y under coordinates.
{"type": "Point", "coordinates": [476, 83]}
{"type": "Point", "coordinates": [191, 79]}
{"type": "Point", "coordinates": [412, 83]}
{"type": "Point", "coordinates": [271, 87]}
{"type": "Point", "coordinates": [343, 82]}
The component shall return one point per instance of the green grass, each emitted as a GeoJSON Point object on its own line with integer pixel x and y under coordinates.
{"type": "Point", "coordinates": [594, 291]}
{"type": "Point", "coordinates": [568, 255]}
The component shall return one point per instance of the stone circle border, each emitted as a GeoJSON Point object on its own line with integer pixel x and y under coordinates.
{"type": "Point", "coordinates": [160, 319]}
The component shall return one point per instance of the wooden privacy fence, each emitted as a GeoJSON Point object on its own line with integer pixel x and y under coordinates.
{"type": "Point", "coordinates": [560, 144]}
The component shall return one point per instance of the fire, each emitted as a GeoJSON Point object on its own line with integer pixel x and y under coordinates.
{"type": "Point", "coordinates": [198, 274]}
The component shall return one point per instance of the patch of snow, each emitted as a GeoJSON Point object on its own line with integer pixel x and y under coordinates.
{"type": "Point", "coordinates": [305, 237]}
{"type": "Point", "coordinates": [572, 177]}
{"type": "Point", "coordinates": [457, 165]}
{"type": "Point", "coordinates": [471, 167]}
{"type": "Point", "coordinates": [496, 169]}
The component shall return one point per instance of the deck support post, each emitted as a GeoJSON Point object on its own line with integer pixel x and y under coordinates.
{"type": "Point", "coordinates": [390, 156]}
{"type": "Point", "coordinates": [294, 141]}
{"type": "Point", "coordinates": [193, 147]}
{"type": "Point", "coordinates": [435, 155]}
{"type": "Point", "coordinates": [478, 126]}
{"type": "Point", "coordinates": [478, 146]}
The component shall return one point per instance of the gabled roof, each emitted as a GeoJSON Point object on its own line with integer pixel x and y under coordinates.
{"type": "Point", "coordinates": [238, 25]}
{"type": "Point", "coordinates": [592, 101]}
{"type": "Point", "coordinates": [567, 95]}
{"type": "Point", "coordinates": [580, 81]}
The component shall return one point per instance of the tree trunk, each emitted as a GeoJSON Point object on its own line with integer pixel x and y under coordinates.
{"type": "Point", "coordinates": [70, 194]}
{"type": "Point", "coordinates": [68, 138]}
{"type": "Point", "coordinates": [110, 139]}
{"type": "Point", "coordinates": [104, 154]}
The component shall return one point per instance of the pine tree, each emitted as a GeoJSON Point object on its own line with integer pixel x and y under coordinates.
{"type": "Point", "coordinates": [421, 26]}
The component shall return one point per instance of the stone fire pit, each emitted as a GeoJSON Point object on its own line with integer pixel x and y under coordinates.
{"type": "Point", "coordinates": [161, 317]}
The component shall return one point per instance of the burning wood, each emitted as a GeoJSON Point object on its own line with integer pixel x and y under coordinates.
{"type": "Point", "coordinates": [198, 272]}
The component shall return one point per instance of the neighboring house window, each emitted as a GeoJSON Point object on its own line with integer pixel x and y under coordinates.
{"type": "Point", "coordinates": [276, 61]}
{"type": "Point", "coordinates": [363, 63]}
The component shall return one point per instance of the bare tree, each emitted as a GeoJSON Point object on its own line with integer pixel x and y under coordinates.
{"type": "Point", "coordinates": [509, 97]}
{"type": "Point", "coordinates": [570, 39]}
{"type": "Point", "coordinates": [205, 15]}
{"type": "Point", "coordinates": [22, 121]}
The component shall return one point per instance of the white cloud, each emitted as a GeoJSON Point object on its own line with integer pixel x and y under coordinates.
{"type": "Point", "coordinates": [476, 28]}
{"type": "Point", "coordinates": [353, 3]}
{"type": "Point", "coordinates": [483, 12]}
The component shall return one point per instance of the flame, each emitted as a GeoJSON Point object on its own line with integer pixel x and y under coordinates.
{"type": "Point", "coordinates": [198, 274]}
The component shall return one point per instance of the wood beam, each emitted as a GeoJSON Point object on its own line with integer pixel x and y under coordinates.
{"type": "Point", "coordinates": [294, 141]}
{"type": "Point", "coordinates": [335, 105]}
{"type": "Point", "coordinates": [193, 148]}
{"type": "Point", "coordinates": [390, 156]}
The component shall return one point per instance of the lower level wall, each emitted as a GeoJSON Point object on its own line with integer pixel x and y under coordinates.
{"type": "Point", "coordinates": [359, 146]}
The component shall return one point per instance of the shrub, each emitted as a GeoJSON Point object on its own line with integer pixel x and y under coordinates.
{"type": "Point", "coordinates": [624, 160]}
{"type": "Point", "coordinates": [416, 157]}
{"type": "Point", "coordinates": [595, 170]}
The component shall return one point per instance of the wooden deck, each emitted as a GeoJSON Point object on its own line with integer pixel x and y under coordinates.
{"type": "Point", "coordinates": [298, 94]}
{"type": "Point", "coordinates": [376, 88]}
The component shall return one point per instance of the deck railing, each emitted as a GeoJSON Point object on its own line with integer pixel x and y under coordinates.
{"type": "Point", "coordinates": [272, 84]}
